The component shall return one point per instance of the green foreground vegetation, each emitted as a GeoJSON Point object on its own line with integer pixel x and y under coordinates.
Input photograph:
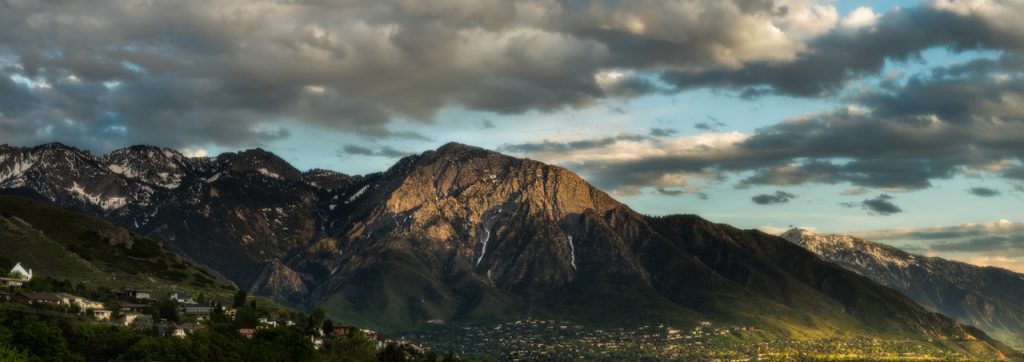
{"type": "Point", "coordinates": [58, 332]}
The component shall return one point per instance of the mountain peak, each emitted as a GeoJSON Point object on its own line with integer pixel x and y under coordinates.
{"type": "Point", "coordinates": [455, 150]}
{"type": "Point", "coordinates": [797, 235]}
{"type": "Point", "coordinates": [262, 161]}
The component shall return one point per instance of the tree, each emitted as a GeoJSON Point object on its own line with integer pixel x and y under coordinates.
{"type": "Point", "coordinates": [246, 317]}
{"type": "Point", "coordinates": [451, 357]}
{"type": "Point", "coordinates": [159, 349]}
{"type": "Point", "coordinates": [327, 328]}
{"type": "Point", "coordinates": [99, 342]}
{"type": "Point", "coordinates": [316, 320]}
{"type": "Point", "coordinates": [281, 344]}
{"type": "Point", "coordinates": [428, 356]}
{"type": "Point", "coordinates": [169, 310]}
{"type": "Point", "coordinates": [42, 340]}
{"type": "Point", "coordinates": [355, 347]}
{"type": "Point", "coordinates": [239, 301]}
{"type": "Point", "coordinates": [392, 353]}
{"type": "Point", "coordinates": [10, 354]}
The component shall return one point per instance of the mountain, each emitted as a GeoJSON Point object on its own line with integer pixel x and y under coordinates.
{"type": "Point", "coordinates": [464, 234]}
{"type": "Point", "coordinates": [986, 297]}
{"type": "Point", "coordinates": [67, 245]}
{"type": "Point", "coordinates": [251, 205]}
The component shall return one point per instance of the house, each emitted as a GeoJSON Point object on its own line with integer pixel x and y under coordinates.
{"type": "Point", "coordinates": [128, 292]}
{"type": "Point", "coordinates": [82, 303]}
{"type": "Point", "coordinates": [181, 298]}
{"type": "Point", "coordinates": [16, 277]}
{"type": "Point", "coordinates": [39, 297]}
{"type": "Point", "coordinates": [178, 330]}
{"type": "Point", "coordinates": [137, 320]}
{"type": "Point", "coordinates": [266, 322]}
{"type": "Point", "coordinates": [127, 308]}
{"type": "Point", "coordinates": [230, 312]}
{"type": "Point", "coordinates": [11, 282]}
{"type": "Point", "coordinates": [342, 331]}
{"type": "Point", "coordinates": [197, 311]}
{"type": "Point", "coordinates": [190, 328]}
{"type": "Point", "coordinates": [247, 332]}
{"type": "Point", "coordinates": [19, 271]}
{"type": "Point", "coordinates": [101, 314]}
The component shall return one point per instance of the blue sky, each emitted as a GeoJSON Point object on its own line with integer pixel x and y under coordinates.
{"type": "Point", "coordinates": [874, 117]}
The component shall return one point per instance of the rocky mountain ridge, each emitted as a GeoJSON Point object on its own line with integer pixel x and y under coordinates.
{"type": "Point", "coordinates": [464, 234]}
{"type": "Point", "coordinates": [986, 297]}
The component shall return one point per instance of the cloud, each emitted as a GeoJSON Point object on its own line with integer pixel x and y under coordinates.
{"type": "Point", "coordinates": [662, 132]}
{"type": "Point", "coordinates": [948, 121]}
{"type": "Point", "coordinates": [939, 233]}
{"type": "Point", "coordinates": [854, 191]}
{"type": "Point", "coordinates": [194, 152]}
{"type": "Point", "coordinates": [670, 192]}
{"type": "Point", "coordinates": [997, 243]}
{"type": "Point", "coordinates": [383, 151]}
{"type": "Point", "coordinates": [863, 45]}
{"type": "Point", "coordinates": [983, 192]}
{"type": "Point", "coordinates": [879, 205]}
{"type": "Point", "coordinates": [197, 72]}
{"type": "Point", "coordinates": [228, 72]}
{"type": "Point", "coordinates": [780, 197]}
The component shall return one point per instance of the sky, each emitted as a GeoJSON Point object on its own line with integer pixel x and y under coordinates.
{"type": "Point", "coordinates": [899, 121]}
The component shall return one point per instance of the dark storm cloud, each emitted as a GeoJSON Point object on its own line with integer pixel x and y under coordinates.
{"type": "Point", "coordinates": [662, 132]}
{"type": "Point", "coordinates": [934, 126]}
{"type": "Point", "coordinates": [383, 151]}
{"type": "Point", "coordinates": [780, 197]}
{"type": "Point", "coordinates": [712, 124]}
{"type": "Point", "coordinates": [879, 205]}
{"type": "Point", "coordinates": [983, 192]}
{"type": "Point", "coordinates": [845, 54]}
{"type": "Point", "coordinates": [226, 72]}
{"type": "Point", "coordinates": [670, 192]}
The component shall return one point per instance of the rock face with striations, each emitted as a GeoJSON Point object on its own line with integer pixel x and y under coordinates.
{"type": "Point", "coordinates": [465, 234]}
{"type": "Point", "coordinates": [987, 297]}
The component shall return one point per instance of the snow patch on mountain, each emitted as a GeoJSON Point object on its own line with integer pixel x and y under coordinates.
{"type": "Point", "coordinates": [106, 203]}
{"type": "Point", "coordinates": [483, 250]}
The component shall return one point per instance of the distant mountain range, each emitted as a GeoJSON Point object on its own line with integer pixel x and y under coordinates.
{"type": "Point", "coordinates": [990, 298]}
{"type": "Point", "coordinates": [464, 234]}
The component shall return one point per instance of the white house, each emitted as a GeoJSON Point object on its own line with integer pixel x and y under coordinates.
{"type": "Point", "coordinates": [26, 275]}
{"type": "Point", "coordinates": [16, 277]}
{"type": "Point", "coordinates": [181, 298]}
{"type": "Point", "coordinates": [101, 314]}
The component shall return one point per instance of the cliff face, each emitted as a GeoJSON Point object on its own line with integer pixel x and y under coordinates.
{"type": "Point", "coordinates": [466, 234]}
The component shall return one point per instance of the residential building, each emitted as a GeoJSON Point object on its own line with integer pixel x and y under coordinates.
{"type": "Point", "coordinates": [181, 298]}
{"type": "Point", "coordinates": [197, 311]}
{"type": "Point", "coordinates": [101, 314]}
{"type": "Point", "coordinates": [39, 297]}
{"type": "Point", "coordinates": [16, 277]}
{"type": "Point", "coordinates": [128, 292]}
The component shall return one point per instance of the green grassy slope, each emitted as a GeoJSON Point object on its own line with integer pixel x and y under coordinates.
{"type": "Point", "coordinates": [62, 244]}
